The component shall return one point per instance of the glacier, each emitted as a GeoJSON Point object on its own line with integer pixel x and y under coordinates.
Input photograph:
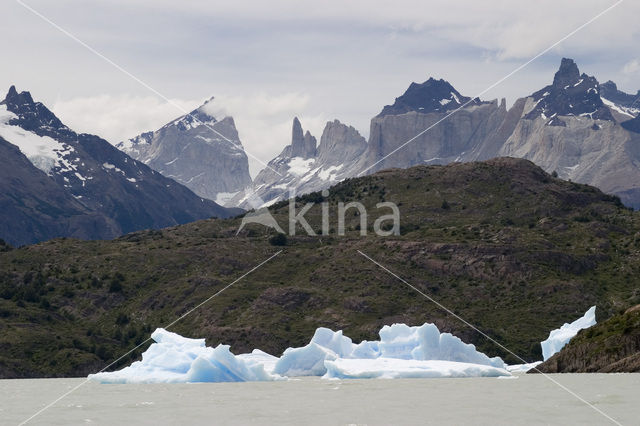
{"type": "Point", "coordinates": [561, 336]}
{"type": "Point", "coordinates": [402, 352]}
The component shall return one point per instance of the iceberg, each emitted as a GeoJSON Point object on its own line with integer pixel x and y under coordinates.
{"type": "Point", "coordinates": [325, 345]}
{"type": "Point", "coordinates": [392, 368]}
{"type": "Point", "coordinates": [398, 341]}
{"type": "Point", "coordinates": [401, 352]}
{"type": "Point", "coordinates": [258, 357]}
{"type": "Point", "coordinates": [561, 336]}
{"type": "Point", "coordinates": [177, 359]}
{"type": "Point", "coordinates": [427, 343]}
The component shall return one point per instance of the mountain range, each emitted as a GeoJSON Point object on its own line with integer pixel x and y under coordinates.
{"type": "Point", "coordinates": [576, 127]}
{"type": "Point", "coordinates": [59, 183]}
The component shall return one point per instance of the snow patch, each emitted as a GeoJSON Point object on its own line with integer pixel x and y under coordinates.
{"type": "Point", "coordinates": [330, 173]}
{"type": "Point", "coordinates": [299, 166]}
{"type": "Point", "coordinates": [44, 152]}
{"type": "Point", "coordinates": [631, 112]}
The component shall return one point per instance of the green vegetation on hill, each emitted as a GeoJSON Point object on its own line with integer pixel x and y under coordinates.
{"type": "Point", "coordinates": [501, 243]}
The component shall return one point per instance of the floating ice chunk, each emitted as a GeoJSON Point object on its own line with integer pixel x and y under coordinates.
{"type": "Point", "coordinates": [309, 360]}
{"type": "Point", "coordinates": [220, 365]}
{"type": "Point", "coordinates": [334, 341]}
{"type": "Point", "coordinates": [427, 343]}
{"type": "Point", "coordinates": [163, 336]}
{"type": "Point", "coordinates": [177, 359]}
{"type": "Point", "coordinates": [258, 357]}
{"type": "Point", "coordinates": [305, 361]}
{"type": "Point", "coordinates": [561, 336]}
{"type": "Point", "coordinates": [391, 368]}
{"type": "Point", "coordinates": [522, 368]}
{"type": "Point", "coordinates": [367, 350]}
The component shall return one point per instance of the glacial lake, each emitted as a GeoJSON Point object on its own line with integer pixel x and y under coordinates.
{"type": "Point", "coordinates": [526, 399]}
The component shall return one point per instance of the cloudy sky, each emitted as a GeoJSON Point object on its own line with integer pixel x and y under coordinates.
{"type": "Point", "coordinates": [268, 61]}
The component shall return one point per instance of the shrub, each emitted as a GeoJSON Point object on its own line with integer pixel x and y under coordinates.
{"type": "Point", "coordinates": [278, 240]}
{"type": "Point", "coordinates": [122, 319]}
{"type": "Point", "coordinates": [115, 286]}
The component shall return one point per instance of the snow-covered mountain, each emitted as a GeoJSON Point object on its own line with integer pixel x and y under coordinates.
{"type": "Point", "coordinates": [304, 167]}
{"type": "Point", "coordinates": [584, 131]}
{"type": "Point", "coordinates": [570, 128]}
{"type": "Point", "coordinates": [69, 174]}
{"type": "Point", "coordinates": [198, 151]}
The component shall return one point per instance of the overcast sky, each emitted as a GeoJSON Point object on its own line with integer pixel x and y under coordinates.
{"type": "Point", "coordinates": [268, 61]}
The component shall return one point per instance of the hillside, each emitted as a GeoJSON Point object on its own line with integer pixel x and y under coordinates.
{"type": "Point", "coordinates": [502, 243]}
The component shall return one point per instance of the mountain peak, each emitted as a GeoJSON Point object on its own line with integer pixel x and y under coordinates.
{"type": "Point", "coordinates": [630, 104]}
{"type": "Point", "coordinates": [12, 92]}
{"type": "Point", "coordinates": [567, 74]}
{"type": "Point", "coordinates": [296, 131]}
{"type": "Point", "coordinates": [32, 115]}
{"type": "Point", "coordinates": [571, 94]}
{"type": "Point", "coordinates": [431, 96]}
{"type": "Point", "coordinates": [15, 98]}
{"type": "Point", "coordinates": [302, 144]}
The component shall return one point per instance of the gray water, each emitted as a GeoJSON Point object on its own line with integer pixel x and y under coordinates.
{"type": "Point", "coordinates": [527, 399]}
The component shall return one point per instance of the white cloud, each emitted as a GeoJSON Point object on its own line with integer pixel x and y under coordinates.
{"type": "Point", "coordinates": [119, 117]}
{"type": "Point", "coordinates": [631, 67]}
